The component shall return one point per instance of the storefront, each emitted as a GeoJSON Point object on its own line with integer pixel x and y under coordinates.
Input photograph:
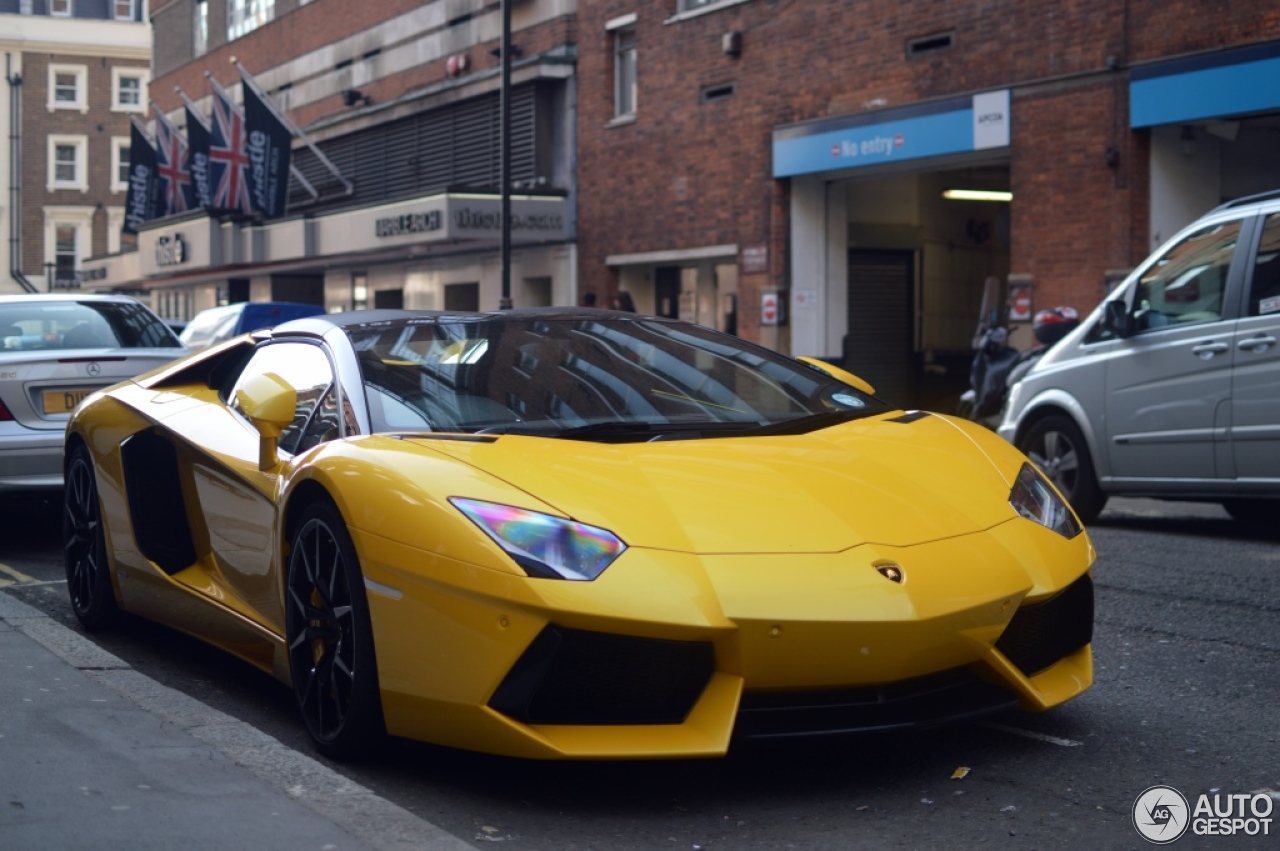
{"type": "Point", "coordinates": [889, 247]}
{"type": "Point", "coordinates": [1214, 120]}
{"type": "Point", "coordinates": [433, 253]}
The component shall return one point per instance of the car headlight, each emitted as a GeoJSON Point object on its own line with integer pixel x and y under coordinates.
{"type": "Point", "coordinates": [1035, 499]}
{"type": "Point", "coordinates": [545, 546]}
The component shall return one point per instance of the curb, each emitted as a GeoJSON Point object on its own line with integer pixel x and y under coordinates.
{"type": "Point", "coordinates": [333, 797]}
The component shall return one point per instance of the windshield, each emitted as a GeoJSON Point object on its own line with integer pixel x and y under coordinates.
{"type": "Point", "coordinates": [598, 378]}
{"type": "Point", "coordinates": [33, 325]}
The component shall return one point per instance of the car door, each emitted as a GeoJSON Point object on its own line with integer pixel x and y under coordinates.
{"type": "Point", "coordinates": [1169, 381]}
{"type": "Point", "coordinates": [237, 500]}
{"type": "Point", "coordinates": [1255, 385]}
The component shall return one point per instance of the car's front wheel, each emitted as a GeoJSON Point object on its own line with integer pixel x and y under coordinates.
{"type": "Point", "coordinates": [330, 637]}
{"type": "Point", "coordinates": [85, 545]}
{"type": "Point", "coordinates": [1057, 447]}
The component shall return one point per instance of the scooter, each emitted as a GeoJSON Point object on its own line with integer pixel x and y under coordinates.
{"type": "Point", "coordinates": [997, 366]}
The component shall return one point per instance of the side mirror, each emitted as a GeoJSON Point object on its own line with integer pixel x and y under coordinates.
{"type": "Point", "coordinates": [838, 374]}
{"type": "Point", "coordinates": [269, 404]}
{"type": "Point", "coordinates": [1115, 318]}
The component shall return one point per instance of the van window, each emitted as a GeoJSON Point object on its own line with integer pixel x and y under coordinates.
{"type": "Point", "coordinates": [1187, 282]}
{"type": "Point", "coordinates": [1264, 294]}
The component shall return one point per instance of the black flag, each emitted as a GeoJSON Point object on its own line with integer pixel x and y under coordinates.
{"type": "Point", "coordinates": [142, 203]}
{"type": "Point", "coordinates": [198, 157]}
{"type": "Point", "coordinates": [268, 150]}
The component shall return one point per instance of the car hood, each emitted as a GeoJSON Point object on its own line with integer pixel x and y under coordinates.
{"type": "Point", "coordinates": [882, 480]}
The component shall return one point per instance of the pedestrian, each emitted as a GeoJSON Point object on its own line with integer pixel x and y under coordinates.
{"type": "Point", "coordinates": [588, 299]}
{"type": "Point", "coordinates": [623, 301]}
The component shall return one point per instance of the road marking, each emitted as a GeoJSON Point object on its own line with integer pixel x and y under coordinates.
{"type": "Point", "coordinates": [1032, 734]}
{"type": "Point", "coordinates": [18, 578]}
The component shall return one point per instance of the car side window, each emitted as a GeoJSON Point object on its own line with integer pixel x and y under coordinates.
{"type": "Point", "coordinates": [306, 369]}
{"type": "Point", "coordinates": [1264, 292]}
{"type": "Point", "coordinates": [1187, 283]}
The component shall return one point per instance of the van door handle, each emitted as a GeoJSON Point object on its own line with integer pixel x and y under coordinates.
{"type": "Point", "coordinates": [1204, 351]}
{"type": "Point", "coordinates": [1257, 345]}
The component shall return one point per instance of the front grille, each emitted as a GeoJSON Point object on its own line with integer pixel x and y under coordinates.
{"type": "Point", "coordinates": [1043, 633]}
{"type": "Point", "coordinates": [570, 676]}
{"type": "Point", "coordinates": [945, 697]}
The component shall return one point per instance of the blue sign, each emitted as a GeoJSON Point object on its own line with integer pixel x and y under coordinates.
{"type": "Point", "coordinates": [1229, 83]}
{"type": "Point", "coordinates": [953, 126]}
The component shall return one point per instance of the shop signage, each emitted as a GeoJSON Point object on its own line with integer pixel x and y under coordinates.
{"type": "Point", "coordinates": [171, 250]}
{"type": "Point", "coordinates": [408, 223]}
{"type": "Point", "coordinates": [467, 218]}
{"type": "Point", "coordinates": [755, 259]}
{"type": "Point", "coordinates": [953, 126]}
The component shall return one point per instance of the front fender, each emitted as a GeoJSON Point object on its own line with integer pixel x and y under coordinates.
{"type": "Point", "coordinates": [1054, 400]}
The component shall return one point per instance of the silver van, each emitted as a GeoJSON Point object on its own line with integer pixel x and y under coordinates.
{"type": "Point", "coordinates": [1170, 389]}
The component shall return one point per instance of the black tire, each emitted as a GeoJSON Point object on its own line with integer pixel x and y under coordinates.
{"type": "Point", "coordinates": [330, 638]}
{"type": "Point", "coordinates": [85, 545]}
{"type": "Point", "coordinates": [1258, 513]}
{"type": "Point", "coordinates": [1057, 447]}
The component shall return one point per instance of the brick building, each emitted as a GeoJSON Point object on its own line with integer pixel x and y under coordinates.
{"type": "Point", "coordinates": [742, 162]}
{"type": "Point", "coordinates": [775, 168]}
{"type": "Point", "coordinates": [75, 70]}
{"type": "Point", "coordinates": [402, 99]}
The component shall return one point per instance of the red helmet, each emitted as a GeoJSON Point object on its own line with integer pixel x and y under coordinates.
{"type": "Point", "coordinates": [1053, 324]}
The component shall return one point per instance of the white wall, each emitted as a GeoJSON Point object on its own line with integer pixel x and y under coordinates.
{"type": "Point", "coordinates": [1184, 185]}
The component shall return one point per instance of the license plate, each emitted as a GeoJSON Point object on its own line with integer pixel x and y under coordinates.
{"type": "Point", "coordinates": [63, 401]}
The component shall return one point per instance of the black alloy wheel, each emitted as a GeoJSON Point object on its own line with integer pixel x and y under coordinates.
{"type": "Point", "coordinates": [85, 545]}
{"type": "Point", "coordinates": [330, 638]}
{"type": "Point", "coordinates": [1057, 447]}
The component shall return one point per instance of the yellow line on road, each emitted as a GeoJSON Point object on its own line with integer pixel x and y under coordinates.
{"type": "Point", "coordinates": [18, 577]}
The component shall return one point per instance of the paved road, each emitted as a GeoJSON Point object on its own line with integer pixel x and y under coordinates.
{"type": "Point", "coordinates": [1187, 651]}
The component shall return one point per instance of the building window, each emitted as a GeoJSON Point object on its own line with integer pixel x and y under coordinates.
{"type": "Point", "coordinates": [67, 163]}
{"type": "Point", "coordinates": [245, 16]}
{"type": "Point", "coordinates": [61, 8]}
{"type": "Point", "coordinates": [624, 68]}
{"type": "Point", "coordinates": [119, 163]}
{"type": "Point", "coordinates": [200, 28]}
{"type": "Point", "coordinates": [68, 86]}
{"type": "Point", "coordinates": [122, 10]}
{"type": "Point", "coordinates": [66, 239]}
{"type": "Point", "coordinates": [129, 89]}
{"type": "Point", "coordinates": [64, 254]}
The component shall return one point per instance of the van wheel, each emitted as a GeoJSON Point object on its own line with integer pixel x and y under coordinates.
{"type": "Point", "coordinates": [1253, 512]}
{"type": "Point", "coordinates": [1057, 447]}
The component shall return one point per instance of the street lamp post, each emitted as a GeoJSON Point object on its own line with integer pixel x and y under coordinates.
{"type": "Point", "coordinates": [505, 141]}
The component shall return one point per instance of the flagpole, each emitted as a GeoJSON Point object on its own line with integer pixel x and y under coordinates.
{"type": "Point", "coordinates": [248, 79]}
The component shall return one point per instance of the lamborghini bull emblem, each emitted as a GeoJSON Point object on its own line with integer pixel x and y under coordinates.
{"type": "Point", "coordinates": [891, 572]}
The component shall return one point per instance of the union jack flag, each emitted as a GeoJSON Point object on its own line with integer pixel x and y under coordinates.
{"type": "Point", "coordinates": [171, 164]}
{"type": "Point", "coordinates": [228, 156]}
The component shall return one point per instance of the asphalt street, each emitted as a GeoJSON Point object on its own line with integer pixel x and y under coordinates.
{"type": "Point", "coordinates": [1186, 648]}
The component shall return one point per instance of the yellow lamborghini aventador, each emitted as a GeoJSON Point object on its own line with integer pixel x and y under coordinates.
{"type": "Point", "coordinates": [574, 533]}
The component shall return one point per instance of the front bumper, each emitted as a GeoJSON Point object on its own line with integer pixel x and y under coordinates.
{"type": "Point", "coordinates": [723, 645]}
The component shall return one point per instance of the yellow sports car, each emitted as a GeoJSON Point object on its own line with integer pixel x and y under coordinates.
{"type": "Point", "coordinates": [574, 533]}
